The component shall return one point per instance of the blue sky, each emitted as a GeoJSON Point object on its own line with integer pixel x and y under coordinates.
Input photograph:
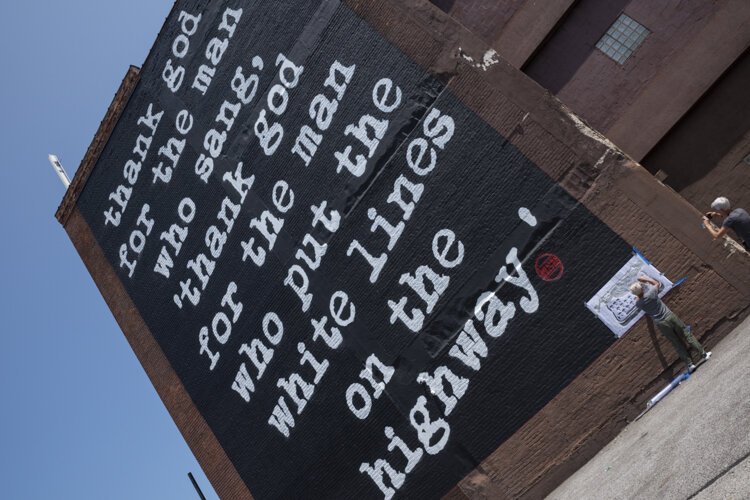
{"type": "Point", "coordinates": [78, 416]}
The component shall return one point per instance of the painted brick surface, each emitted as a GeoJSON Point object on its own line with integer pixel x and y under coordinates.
{"type": "Point", "coordinates": [487, 19]}
{"type": "Point", "coordinates": [276, 406]}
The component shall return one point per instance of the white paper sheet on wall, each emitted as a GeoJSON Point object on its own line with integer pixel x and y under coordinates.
{"type": "Point", "coordinates": [615, 305]}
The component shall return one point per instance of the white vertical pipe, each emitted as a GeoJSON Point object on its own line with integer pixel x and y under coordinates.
{"type": "Point", "coordinates": [55, 162]}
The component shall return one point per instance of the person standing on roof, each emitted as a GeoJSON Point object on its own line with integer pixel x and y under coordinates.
{"type": "Point", "coordinates": [738, 220]}
{"type": "Point", "coordinates": [672, 327]}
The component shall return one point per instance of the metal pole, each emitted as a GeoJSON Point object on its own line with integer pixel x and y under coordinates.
{"type": "Point", "coordinates": [195, 485]}
{"type": "Point", "coordinates": [55, 162]}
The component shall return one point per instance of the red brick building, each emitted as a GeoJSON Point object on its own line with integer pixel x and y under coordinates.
{"type": "Point", "coordinates": [673, 99]}
{"type": "Point", "coordinates": [467, 174]}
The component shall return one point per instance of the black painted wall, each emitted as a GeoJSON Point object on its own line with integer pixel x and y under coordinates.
{"type": "Point", "coordinates": [474, 191]}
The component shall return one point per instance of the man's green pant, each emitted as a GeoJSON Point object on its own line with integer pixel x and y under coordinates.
{"type": "Point", "coordinates": [672, 327]}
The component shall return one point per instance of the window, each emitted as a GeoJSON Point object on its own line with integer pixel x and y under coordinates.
{"type": "Point", "coordinates": [622, 38]}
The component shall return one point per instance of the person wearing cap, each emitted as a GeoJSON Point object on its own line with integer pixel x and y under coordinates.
{"type": "Point", "coordinates": [672, 327]}
{"type": "Point", "coordinates": [738, 220]}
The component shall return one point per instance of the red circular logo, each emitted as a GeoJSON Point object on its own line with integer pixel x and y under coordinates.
{"type": "Point", "coordinates": [549, 267]}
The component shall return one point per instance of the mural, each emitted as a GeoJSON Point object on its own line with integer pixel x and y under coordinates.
{"type": "Point", "coordinates": [614, 304]}
{"type": "Point", "coordinates": [363, 287]}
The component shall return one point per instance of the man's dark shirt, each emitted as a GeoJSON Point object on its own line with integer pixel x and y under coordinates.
{"type": "Point", "coordinates": [739, 221]}
{"type": "Point", "coordinates": [651, 304]}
